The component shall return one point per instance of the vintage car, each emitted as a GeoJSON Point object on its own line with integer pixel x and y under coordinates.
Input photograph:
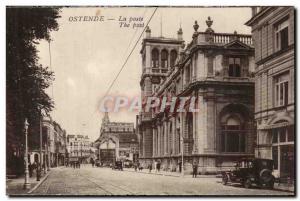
{"type": "Point", "coordinates": [251, 171]}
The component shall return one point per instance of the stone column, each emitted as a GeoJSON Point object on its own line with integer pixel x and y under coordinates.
{"type": "Point", "coordinates": [159, 58]}
{"type": "Point", "coordinates": [210, 131]}
{"type": "Point", "coordinates": [169, 56]}
{"type": "Point", "coordinates": [154, 141]}
{"type": "Point", "coordinates": [173, 135]}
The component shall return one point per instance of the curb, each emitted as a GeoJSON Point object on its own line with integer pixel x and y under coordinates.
{"type": "Point", "coordinates": [154, 173]}
{"type": "Point", "coordinates": [40, 182]}
{"type": "Point", "coordinates": [160, 174]}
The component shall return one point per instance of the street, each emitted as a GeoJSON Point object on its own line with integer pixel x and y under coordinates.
{"type": "Point", "coordinates": [104, 181]}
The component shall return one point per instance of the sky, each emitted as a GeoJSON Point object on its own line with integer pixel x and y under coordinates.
{"type": "Point", "coordinates": [87, 55]}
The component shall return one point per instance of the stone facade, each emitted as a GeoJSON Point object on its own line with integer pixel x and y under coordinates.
{"type": "Point", "coordinates": [54, 144]}
{"type": "Point", "coordinates": [273, 34]}
{"type": "Point", "coordinates": [117, 141]}
{"type": "Point", "coordinates": [79, 146]}
{"type": "Point", "coordinates": [218, 70]}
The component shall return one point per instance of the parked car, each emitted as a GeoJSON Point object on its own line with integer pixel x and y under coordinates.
{"type": "Point", "coordinates": [118, 165]}
{"type": "Point", "coordinates": [251, 171]}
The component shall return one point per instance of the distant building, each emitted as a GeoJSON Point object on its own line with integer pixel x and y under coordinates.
{"type": "Point", "coordinates": [117, 141]}
{"type": "Point", "coordinates": [79, 147]}
{"type": "Point", "coordinates": [53, 144]}
{"type": "Point", "coordinates": [274, 40]}
{"type": "Point", "coordinates": [218, 70]}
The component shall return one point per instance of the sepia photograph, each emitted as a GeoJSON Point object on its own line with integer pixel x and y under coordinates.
{"type": "Point", "coordinates": [150, 101]}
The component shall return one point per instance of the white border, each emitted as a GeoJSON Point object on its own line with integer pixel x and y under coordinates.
{"type": "Point", "coordinates": [4, 3]}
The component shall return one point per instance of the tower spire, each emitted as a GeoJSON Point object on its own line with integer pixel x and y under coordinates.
{"type": "Point", "coordinates": [106, 117]}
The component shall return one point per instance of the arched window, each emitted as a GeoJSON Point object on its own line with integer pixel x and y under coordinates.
{"type": "Point", "coordinates": [154, 56]}
{"type": "Point", "coordinates": [164, 59]}
{"type": "Point", "coordinates": [173, 58]}
{"type": "Point", "coordinates": [233, 135]}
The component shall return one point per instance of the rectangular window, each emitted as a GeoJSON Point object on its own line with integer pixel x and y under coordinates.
{"type": "Point", "coordinates": [232, 142]}
{"type": "Point", "coordinates": [234, 67]}
{"type": "Point", "coordinates": [282, 134]}
{"type": "Point", "coordinates": [290, 134]}
{"type": "Point", "coordinates": [282, 35]}
{"type": "Point", "coordinates": [281, 90]}
{"type": "Point", "coordinates": [274, 136]}
{"type": "Point", "coordinates": [210, 65]}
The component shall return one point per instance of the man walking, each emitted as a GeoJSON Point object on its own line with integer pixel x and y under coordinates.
{"type": "Point", "coordinates": [195, 169]}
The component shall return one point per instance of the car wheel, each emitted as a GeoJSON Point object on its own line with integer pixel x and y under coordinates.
{"type": "Point", "coordinates": [247, 183]}
{"type": "Point", "coordinates": [224, 179]}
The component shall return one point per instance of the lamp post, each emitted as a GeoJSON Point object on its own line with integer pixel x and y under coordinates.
{"type": "Point", "coordinates": [41, 144]}
{"type": "Point", "coordinates": [182, 162]}
{"type": "Point", "coordinates": [26, 184]}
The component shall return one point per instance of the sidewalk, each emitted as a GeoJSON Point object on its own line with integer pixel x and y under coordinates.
{"type": "Point", "coordinates": [166, 173]}
{"type": "Point", "coordinates": [14, 187]}
{"type": "Point", "coordinates": [284, 187]}
{"type": "Point", "coordinates": [277, 186]}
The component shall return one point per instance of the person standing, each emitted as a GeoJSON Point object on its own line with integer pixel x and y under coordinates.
{"type": "Point", "coordinates": [158, 166]}
{"type": "Point", "coordinates": [180, 166]}
{"type": "Point", "coordinates": [93, 162]}
{"type": "Point", "coordinates": [150, 167]}
{"type": "Point", "coordinates": [195, 169]}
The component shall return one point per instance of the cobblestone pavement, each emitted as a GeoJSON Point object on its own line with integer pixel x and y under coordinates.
{"type": "Point", "coordinates": [104, 181]}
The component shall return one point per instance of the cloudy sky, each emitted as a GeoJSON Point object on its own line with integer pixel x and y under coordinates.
{"type": "Point", "coordinates": [86, 56]}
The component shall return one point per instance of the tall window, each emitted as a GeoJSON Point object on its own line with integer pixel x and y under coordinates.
{"type": "Point", "coordinates": [187, 74]}
{"type": "Point", "coordinates": [210, 65]}
{"type": "Point", "coordinates": [164, 58]}
{"type": "Point", "coordinates": [173, 57]}
{"type": "Point", "coordinates": [281, 89]}
{"type": "Point", "coordinates": [233, 136]}
{"type": "Point", "coordinates": [234, 67]}
{"type": "Point", "coordinates": [282, 35]}
{"type": "Point", "coordinates": [154, 58]}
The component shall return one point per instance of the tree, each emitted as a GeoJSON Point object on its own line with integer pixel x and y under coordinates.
{"type": "Point", "coordinates": [26, 79]}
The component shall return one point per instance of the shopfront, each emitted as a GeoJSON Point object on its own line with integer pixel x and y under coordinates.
{"type": "Point", "coordinates": [283, 151]}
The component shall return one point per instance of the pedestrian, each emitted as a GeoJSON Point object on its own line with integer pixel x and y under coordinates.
{"type": "Point", "coordinates": [93, 162]}
{"type": "Point", "coordinates": [158, 166]}
{"type": "Point", "coordinates": [30, 166]}
{"type": "Point", "coordinates": [138, 164]}
{"type": "Point", "coordinates": [195, 169]}
{"type": "Point", "coordinates": [135, 166]}
{"type": "Point", "coordinates": [180, 166]}
{"type": "Point", "coordinates": [150, 167]}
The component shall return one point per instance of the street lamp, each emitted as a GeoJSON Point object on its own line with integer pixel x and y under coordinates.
{"type": "Point", "coordinates": [26, 184]}
{"type": "Point", "coordinates": [182, 151]}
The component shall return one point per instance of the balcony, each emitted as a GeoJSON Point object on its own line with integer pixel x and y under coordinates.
{"type": "Point", "coordinates": [223, 38]}
{"type": "Point", "coordinates": [155, 70]}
